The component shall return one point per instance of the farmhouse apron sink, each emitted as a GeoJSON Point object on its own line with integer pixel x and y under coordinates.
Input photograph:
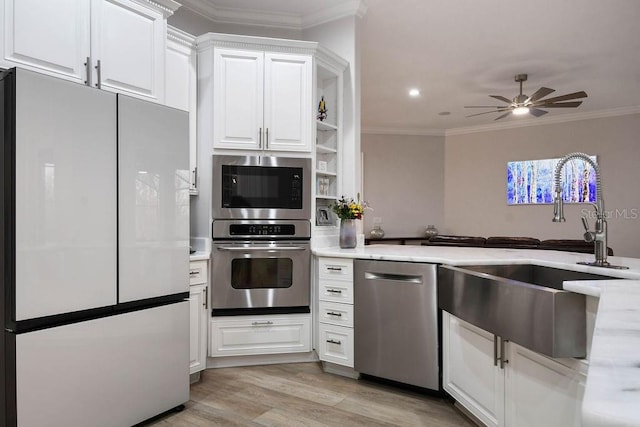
{"type": "Point", "coordinates": [520, 303]}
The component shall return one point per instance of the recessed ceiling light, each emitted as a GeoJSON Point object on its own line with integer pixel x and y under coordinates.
{"type": "Point", "coordinates": [444, 113]}
{"type": "Point", "coordinates": [414, 93]}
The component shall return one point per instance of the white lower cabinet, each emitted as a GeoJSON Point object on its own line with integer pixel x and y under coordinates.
{"type": "Point", "coordinates": [468, 373]}
{"type": "Point", "coordinates": [251, 335]}
{"type": "Point", "coordinates": [542, 391]}
{"type": "Point", "coordinates": [335, 311]}
{"type": "Point", "coordinates": [528, 390]}
{"type": "Point", "coordinates": [336, 344]}
{"type": "Point", "coordinates": [197, 328]}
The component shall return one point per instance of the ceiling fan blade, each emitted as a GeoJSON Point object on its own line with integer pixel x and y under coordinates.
{"type": "Point", "coordinates": [573, 104]}
{"type": "Point", "coordinates": [487, 112]}
{"type": "Point", "coordinates": [536, 112]}
{"type": "Point", "coordinates": [501, 98]}
{"type": "Point", "coordinates": [567, 97]}
{"type": "Point", "coordinates": [504, 115]}
{"type": "Point", "coordinates": [540, 93]}
{"type": "Point", "coordinates": [483, 106]}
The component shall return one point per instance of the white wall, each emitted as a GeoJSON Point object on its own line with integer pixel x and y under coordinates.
{"type": "Point", "coordinates": [404, 182]}
{"type": "Point", "coordinates": [475, 180]}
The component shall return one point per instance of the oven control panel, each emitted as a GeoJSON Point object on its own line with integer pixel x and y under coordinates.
{"type": "Point", "coordinates": [262, 230]}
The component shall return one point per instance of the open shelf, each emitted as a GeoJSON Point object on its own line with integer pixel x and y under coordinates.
{"type": "Point", "coordinates": [324, 126]}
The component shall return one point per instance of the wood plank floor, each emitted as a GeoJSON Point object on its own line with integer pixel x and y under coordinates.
{"type": "Point", "coordinates": [301, 394]}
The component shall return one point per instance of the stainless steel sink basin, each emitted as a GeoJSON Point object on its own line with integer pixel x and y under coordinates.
{"type": "Point", "coordinates": [521, 303]}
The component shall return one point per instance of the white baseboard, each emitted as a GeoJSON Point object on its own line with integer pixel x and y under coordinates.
{"type": "Point", "coordinates": [266, 359]}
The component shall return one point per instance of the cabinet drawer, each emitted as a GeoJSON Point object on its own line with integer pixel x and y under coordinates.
{"type": "Point", "coordinates": [244, 335]}
{"type": "Point", "coordinates": [336, 268]}
{"type": "Point", "coordinates": [336, 291]}
{"type": "Point", "coordinates": [197, 272]}
{"type": "Point", "coordinates": [336, 344]}
{"type": "Point", "coordinates": [336, 314]}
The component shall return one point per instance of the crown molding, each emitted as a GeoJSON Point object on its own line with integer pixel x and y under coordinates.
{"type": "Point", "coordinates": [263, 18]}
{"type": "Point", "coordinates": [180, 36]}
{"type": "Point", "coordinates": [541, 121]}
{"type": "Point", "coordinates": [167, 7]}
{"type": "Point", "coordinates": [209, 40]}
{"type": "Point", "coordinates": [402, 131]}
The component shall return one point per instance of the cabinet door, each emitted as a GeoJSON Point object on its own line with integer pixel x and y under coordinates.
{"type": "Point", "coordinates": [197, 328]}
{"type": "Point", "coordinates": [541, 391]}
{"type": "Point", "coordinates": [243, 336]}
{"type": "Point", "coordinates": [47, 36]}
{"type": "Point", "coordinates": [469, 374]}
{"type": "Point", "coordinates": [336, 344]}
{"type": "Point", "coordinates": [180, 90]}
{"type": "Point", "coordinates": [129, 41]}
{"type": "Point", "coordinates": [153, 200]}
{"type": "Point", "coordinates": [238, 99]}
{"type": "Point", "coordinates": [288, 107]}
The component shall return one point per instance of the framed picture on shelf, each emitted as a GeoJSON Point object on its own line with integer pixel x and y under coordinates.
{"type": "Point", "coordinates": [323, 215]}
{"type": "Point", "coordinates": [323, 186]}
{"type": "Point", "coordinates": [322, 166]}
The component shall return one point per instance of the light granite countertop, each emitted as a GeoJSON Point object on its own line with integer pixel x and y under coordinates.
{"type": "Point", "coordinates": [202, 249]}
{"type": "Point", "coordinates": [199, 256]}
{"type": "Point", "coordinates": [612, 393]}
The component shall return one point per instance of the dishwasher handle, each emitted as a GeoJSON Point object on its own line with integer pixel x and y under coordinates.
{"type": "Point", "coordinates": [406, 278]}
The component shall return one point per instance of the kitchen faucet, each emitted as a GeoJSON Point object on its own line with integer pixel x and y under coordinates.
{"type": "Point", "coordinates": [599, 236]}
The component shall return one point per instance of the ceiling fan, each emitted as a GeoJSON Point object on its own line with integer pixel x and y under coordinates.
{"type": "Point", "coordinates": [523, 104]}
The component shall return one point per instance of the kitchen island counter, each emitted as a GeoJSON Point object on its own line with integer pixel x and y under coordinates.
{"type": "Point", "coordinates": [612, 393]}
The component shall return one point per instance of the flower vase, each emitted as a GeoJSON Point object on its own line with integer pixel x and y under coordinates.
{"type": "Point", "coordinates": [348, 233]}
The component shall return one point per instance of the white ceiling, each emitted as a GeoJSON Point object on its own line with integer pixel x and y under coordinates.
{"type": "Point", "coordinates": [457, 52]}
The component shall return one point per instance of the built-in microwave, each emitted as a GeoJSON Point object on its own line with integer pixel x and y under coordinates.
{"type": "Point", "coordinates": [261, 187]}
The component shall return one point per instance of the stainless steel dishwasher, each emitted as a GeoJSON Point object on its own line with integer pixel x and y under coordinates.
{"type": "Point", "coordinates": [395, 321]}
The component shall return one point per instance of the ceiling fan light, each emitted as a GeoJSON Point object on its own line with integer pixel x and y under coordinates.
{"type": "Point", "coordinates": [519, 111]}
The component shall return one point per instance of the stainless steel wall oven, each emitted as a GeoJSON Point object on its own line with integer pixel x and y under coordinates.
{"type": "Point", "coordinates": [260, 267]}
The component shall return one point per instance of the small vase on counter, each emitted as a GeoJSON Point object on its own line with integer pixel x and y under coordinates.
{"type": "Point", "coordinates": [377, 232]}
{"type": "Point", "coordinates": [348, 233]}
{"type": "Point", "coordinates": [430, 231]}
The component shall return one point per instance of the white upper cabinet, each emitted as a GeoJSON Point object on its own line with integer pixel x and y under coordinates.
{"type": "Point", "coordinates": [50, 36]}
{"type": "Point", "coordinates": [238, 99]}
{"type": "Point", "coordinates": [180, 89]}
{"type": "Point", "coordinates": [117, 45]}
{"type": "Point", "coordinates": [128, 41]}
{"type": "Point", "coordinates": [256, 93]}
{"type": "Point", "coordinates": [287, 102]}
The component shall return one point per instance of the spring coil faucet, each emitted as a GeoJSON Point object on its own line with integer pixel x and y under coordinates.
{"type": "Point", "coordinates": [599, 236]}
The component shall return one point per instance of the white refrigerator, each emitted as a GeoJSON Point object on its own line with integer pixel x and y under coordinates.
{"type": "Point", "coordinates": [95, 255]}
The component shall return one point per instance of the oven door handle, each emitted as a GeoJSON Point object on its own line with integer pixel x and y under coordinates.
{"type": "Point", "coordinates": [262, 249]}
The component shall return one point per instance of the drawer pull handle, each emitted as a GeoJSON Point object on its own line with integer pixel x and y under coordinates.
{"type": "Point", "coordinates": [267, 323]}
{"type": "Point", "coordinates": [331, 313]}
{"type": "Point", "coordinates": [191, 273]}
{"type": "Point", "coordinates": [334, 342]}
{"type": "Point", "coordinates": [334, 268]}
{"type": "Point", "coordinates": [334, 291]}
